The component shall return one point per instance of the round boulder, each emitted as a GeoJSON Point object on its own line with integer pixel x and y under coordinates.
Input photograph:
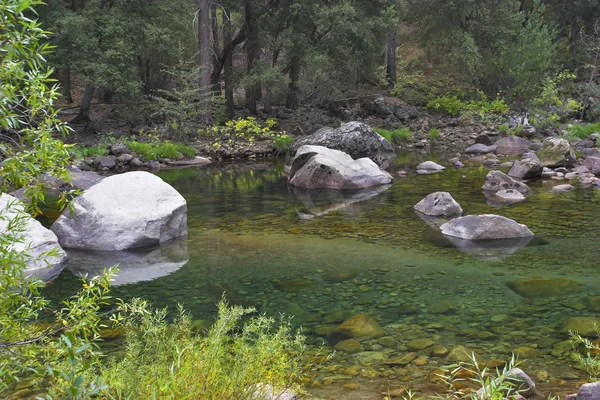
{"type": "Point", "coordinates": [485, 227]}
{"type": "Point", "coordinates": [439, 204]}
{"type": "Point", "coordinates": [357, 139]}
{"type": "Point", "coordinates": [35, 241]}
{"type": "Point", "coordinates": [121, 212]}
{"type": "Point", "coordinates": [556, 152]}
{"type": "Point", "coordinates": [498, 180]}
{"type": "Point", "coordinates": [526, 168]}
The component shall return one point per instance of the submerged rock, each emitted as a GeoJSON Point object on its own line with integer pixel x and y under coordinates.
{"type": "Point", "coordinates": [585, 326]}
{"type": "Point", "coordinates": [556, 152]}
{"type": "Point", "coordinates": [35, 240]}
{"type": "Point", "coordinates": [294, 285]}
{"type": "Point", "coordinates": [526, 168]}
{"type": "Point", "coordinates": [316, 167]}
{"type": "Point", "coordinates": [498, 180]}
{"type": "Point", "coordinates": [439, 204]}
{"type": "Point", "coordinates": [137, 265]}
{"type": "Point", "coordinates": [430, 166]}
{"type": "Point", "coordinates": [563, 188]}
{"type": "Point", "coordinates": [460, 354]}
{"type": "Point", "coordinates": [544, 287]}
{"type": "Point", "coordinates": [490, 249]}
{"type": "Point", "coordinates": [362, 327]}
{"type": "Point", "coordinates": [485, 227]}
{"type": "Point", "coordinates": [356, 139]}
{"type": "Point", "coordinates": [126, 211]}
{"type": "Point", "coordinates": [349, 346]}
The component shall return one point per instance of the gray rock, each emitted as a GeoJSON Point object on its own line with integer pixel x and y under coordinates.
{"type": "Point", "coordinates": [513, 145]}
{"type": "Point", "coordinates": [439, 204]}
{"type": "Point", "coordinates": [125, 158]}
{"type": "Point", "coordinates": [354, 138]}
{"type": "Point", "coordinates": [498, 180]}
{"type": "Point", "coordinates": [556, 152]}
{"type": "Point", "coordinates": [134, 265]}
{"type": "Point", "coordinates": [80, 180]}
{"type": "Point", "coordinates": [136, 163]}
{"type": "Point", "coordinates": [485, 227]}
{"type": "Point", "coordinates": [592, 164]}
{"type": "Point", "coordinates": [268, 392]}
{"type": "Point", "coordinates": [430, 166]}
{"type": "Point", "coordinates": [532, 155]}
{"type": "Point", "coordinates": [479, 148]}
{"type": "Point", "coordinates": [36, 240]}
{"type": "Point", "coordinates": [484, 139]}
{"type": "Point", "coordinates": [196, 161]}
{"type": "Point", "coordinates": [131, 210]}
{"type": "Point", "coordinates": [562, 188]}
{"type": "Point", "coordinates": [510, 195]}
{"type": "Point", "coordinates": [118, 148]}
{"type": "Point", "coordinates": [491, 163]}
{"type": "Point", "coordinates": [526, 168]}
{"type": "Point", "coordinates": [317, 167]}
{"type": "Point", "coordinates": [102, 162]}
{"type": "Point", "coordinates": [521, 382]}
{"type": "Point", "coordinates": [589, 391]}
{"type": "Point", "coordinates": [386, 106]}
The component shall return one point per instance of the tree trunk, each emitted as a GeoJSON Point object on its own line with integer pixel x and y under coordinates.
{"type": "Point", "coordinates": [391, 57]}
{"type": "Point", "coordinates": [216, 84]}
{"type": "Point", "coordinates": [268, 101]}
{"type": "Point", "coordinates": [252, 51]}
{"type": "Point", "coordinates": [574, 38]}
{"type": "Point", "coordinates": [293, 89]}
{"type": "Point", "coordinates": [65, 78]}
{"type": "Point", "coordinates": [86, 103]}
{"type": "Point", "coordinates": [205, 115]}
{"type": "Point", "coordinates": [228, 66]}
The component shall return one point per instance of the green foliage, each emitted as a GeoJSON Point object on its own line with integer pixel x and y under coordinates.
{"type": "Point", "coordinates": [28, 120]}
{"type": "Point", "coordinates": [283, 143]}
{"type": "Point", "coordinates": [504, 128]}
{"type": "Point", "coordinates": [584, 131]}
{"type": "Point", "coordinates": [159, 150]}
{"type": "Point", "coordinates": [165, 360]}
{"type": "Point", "coordinates": [434, 134]}
{"type": "Point", "coordinates": [452, 105]}
{"type": "Point", "coordinates": [589, 360]}
{"type": "Point", "coordinates": [79, 151]}
{"type": "Point", "coordinates": [492, 385]}
{"type": "Point", "coordinates": [401, 135]}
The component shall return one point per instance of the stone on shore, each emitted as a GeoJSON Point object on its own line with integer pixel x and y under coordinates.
{"type": "Point", "coordinates": [126, 211]}
{"type": "Point", "coordinates": [556, 152]}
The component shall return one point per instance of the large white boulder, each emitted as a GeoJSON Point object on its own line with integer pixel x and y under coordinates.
{"type": "Point", "coordinates": [357, 139]}
{"type": "Point", "coordinates": [317, 167]}
{"type": "Point", "coordinates": [485, 227]}
{"type": "Point", "coordinates": [126, 211]}
{"type": "Point", "coordinates": [35, 240]}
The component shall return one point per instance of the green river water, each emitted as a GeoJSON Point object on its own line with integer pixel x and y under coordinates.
{"type": "Point", "coordinates": [252, 236]}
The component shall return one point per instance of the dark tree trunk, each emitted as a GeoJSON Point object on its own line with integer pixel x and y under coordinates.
{"type": "Point", "coordinates": [573, 39]}
{"type": "Point", "coordinates": [293, 89]}
{"type": "Point", "coordinates": [228, 66]}
{"type": "Point", "coordinates": [216, 84]}
{"type": "Point", "coordinates": [391, 57]}
{"type": "Point", "coordinates": [86, 103]}
{"type": "Point", "coordinates": [252, 54]}
{"type": "Point", "coordinates": [65, 80]}
{"type": "Point", "coordinates": [205, 116]}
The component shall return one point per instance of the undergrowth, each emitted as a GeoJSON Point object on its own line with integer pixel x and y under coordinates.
{"type": "Point", "coordinates": [401, 135]}
{"type": "Point", "coordinates": [157, 151]}
{"type": "Point", "coordinates": [169, 361]}
{"type": "Point", "coordinates": [584, 131]}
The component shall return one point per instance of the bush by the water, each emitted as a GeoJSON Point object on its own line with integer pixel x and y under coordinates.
{"type": "Point", "coordinates": [170, 360]}
{"type": "Point", "coordinates": [396, 136]}
{"type": "Point", "coordinates": [157, 151]}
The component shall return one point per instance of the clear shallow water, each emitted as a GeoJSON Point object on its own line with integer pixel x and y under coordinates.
{"type": "Point", "coordinates": [250, 235]}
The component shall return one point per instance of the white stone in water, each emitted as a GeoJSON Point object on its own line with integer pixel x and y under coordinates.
{"type": "Point", "coordinates": [485, 227]}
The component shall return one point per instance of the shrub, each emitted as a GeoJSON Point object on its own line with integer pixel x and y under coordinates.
{"type": "Point", "coordinates": [589, 361]}
{"type": "Point", "coordinates": [79, 151]}
{"type": "Point", "coordinates": [584, 131]}
{"type": "Point", "coordinates": [504, 128]}
{"type": "Point", "coordinates": [157, 151]}
{"type": "Point", "coordinates": [165, 360]}
{"type": "Point", "coordinates": [434, 134]}
{"type": "Point", "coordinates": [396, 136]}
{"type": "Point", "coordinates": [283, 142]}
{"type": "Point", "coordinates": [452, 105]}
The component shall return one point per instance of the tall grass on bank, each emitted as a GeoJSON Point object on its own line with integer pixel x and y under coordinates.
{"type": "Point", "coordinates": [169, 361]}
{"type": "Point", "coordinates": [402, 135]}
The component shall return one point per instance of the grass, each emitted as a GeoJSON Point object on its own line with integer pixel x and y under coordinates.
{"type": "Point", "coordinates": [584, 131]}
{"type": "Point", "coordinates": [233, 359]}
{"type": "Point", "coordinates": [157, 151]}
{"type": "Point", "coordinates": [398, 136]}
{"type": "Point", "coordinates": [79, 151]}
{"type": "Point", "coordinates": [434, 134]}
